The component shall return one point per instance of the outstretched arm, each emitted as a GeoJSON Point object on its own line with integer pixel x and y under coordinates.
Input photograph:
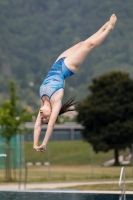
{"type": "Point", "coordinates": [55, 111]}
{"type": "Point", "coordinates": [37, 130]}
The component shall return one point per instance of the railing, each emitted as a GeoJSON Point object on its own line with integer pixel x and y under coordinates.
{"type": "Point", "coordinates": [123, 189]}
{"type": "Point", "coordinates": [3, 155]}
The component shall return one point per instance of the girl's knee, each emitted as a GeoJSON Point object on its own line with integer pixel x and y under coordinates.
{"type": "Point", "coordinates": [90, 44]}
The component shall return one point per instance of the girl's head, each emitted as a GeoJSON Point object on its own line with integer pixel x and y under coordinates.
{"type": "Point", "coordinates": [45, 112]}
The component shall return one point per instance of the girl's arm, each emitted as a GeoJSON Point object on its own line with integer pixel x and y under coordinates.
{"type": "Point", "coordinates": [37, 130]}
{"type": "Point", "coordinates": [55, 111]}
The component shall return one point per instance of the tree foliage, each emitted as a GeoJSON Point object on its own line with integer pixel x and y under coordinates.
{"type": "Point", "coordinates": [12, 117]}
{"type": "Point", "coordinates": [33, 34]}
{"type": "Point", "coordinates": [107, 113]}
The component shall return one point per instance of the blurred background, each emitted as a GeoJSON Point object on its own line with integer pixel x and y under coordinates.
{"type": "Point", "coordinates": [32, 35]}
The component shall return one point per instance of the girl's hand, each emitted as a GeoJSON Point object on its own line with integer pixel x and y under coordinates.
{"type": "Point", "coordinates": [40, 148]}
{"type": "Point", "coordinates": [35, 147]}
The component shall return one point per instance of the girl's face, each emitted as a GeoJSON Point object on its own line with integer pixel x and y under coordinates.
{"type": "Point", "coordinates": [45, 113]}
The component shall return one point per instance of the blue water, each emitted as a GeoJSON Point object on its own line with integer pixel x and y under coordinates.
{"type": "Point", "coordinates": [8, 195]}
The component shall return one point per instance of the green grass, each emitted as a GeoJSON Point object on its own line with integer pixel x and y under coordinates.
{"type": "Point", "coordinates": [66, 153]}
{"type": "Point", "coordinates": [70, 161]}
{"type": "Point", "coordinates": [70, 174]}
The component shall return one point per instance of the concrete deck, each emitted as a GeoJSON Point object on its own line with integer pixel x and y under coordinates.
{"type": "Point", "coordinates": [56, 186]}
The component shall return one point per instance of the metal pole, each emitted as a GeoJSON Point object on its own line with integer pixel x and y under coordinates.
{"type": "Point", "coordinates": [20, 175]}
{"type": "Point", "coordinates": [23, 149]}
{"type": "Point", "coordinates": [132, 157]}
{"type": "Point", "coordinates": [124, 185]}
{"type": "Point", "coordinates": [26, 175]}
{"type": "Point", "coordinates": [14, 163]}
{"type": "Point", "coordinates": [92, 161]}
{"type": "Point", "coordinates": [6, 165]}
{"type": "Point", "coordinates": [48, 154]}
{"type": "Point", "coordinates": [122, 173]}
{"type": "Point", "coordinates": [20, 168]}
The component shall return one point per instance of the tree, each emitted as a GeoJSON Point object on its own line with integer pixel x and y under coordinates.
{"type": "Point", "coordinates": [107, 113]}
{"type": "Point", "coordinates": [12, 119]}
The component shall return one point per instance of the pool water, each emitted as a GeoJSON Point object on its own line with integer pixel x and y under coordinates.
{"type": "Point", "coordinates": [36, 195]}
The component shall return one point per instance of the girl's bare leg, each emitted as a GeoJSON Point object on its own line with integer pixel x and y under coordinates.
{"type": "Point", "coordinates": [74, 60]}
{"type": "Point", "coordinates": [69, 51]}
{"type": "Point", "coordinates": [99, 31]}
{"type": "Point", "coordinates": [76, 46]}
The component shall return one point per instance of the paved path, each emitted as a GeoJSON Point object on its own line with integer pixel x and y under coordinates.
{"type": "Point", "coordinates": [41, 186]}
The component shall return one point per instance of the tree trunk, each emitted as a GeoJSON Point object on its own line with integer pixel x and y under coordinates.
{"type": "Point", "coordinates": [8, 162]}
{"type": "Point", "coordinates": [116, 156]}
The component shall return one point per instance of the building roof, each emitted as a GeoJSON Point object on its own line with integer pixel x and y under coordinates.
{"type": "Point", "coordinates": [67, 125]}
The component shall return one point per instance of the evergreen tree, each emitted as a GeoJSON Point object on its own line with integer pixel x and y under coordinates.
{"type": "Point", "coordinates": [107, 113]}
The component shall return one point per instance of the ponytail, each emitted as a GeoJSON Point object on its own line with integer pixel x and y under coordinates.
{"type": "Point", "coordinates": [66, 107]}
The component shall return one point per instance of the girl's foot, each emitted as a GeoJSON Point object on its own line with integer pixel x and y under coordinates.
{"type": "Point", "coordinates": [112, 20]}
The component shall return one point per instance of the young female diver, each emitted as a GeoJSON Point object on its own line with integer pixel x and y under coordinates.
{"type": "Point", "coordinates": [52, 89]}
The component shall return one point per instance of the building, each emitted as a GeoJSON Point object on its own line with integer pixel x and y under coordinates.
{"type": "Point", "coordinates": [66, 131]}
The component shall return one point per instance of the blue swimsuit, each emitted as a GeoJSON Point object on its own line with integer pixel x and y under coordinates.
{"type": "Point", "coordinates": [55, 79]}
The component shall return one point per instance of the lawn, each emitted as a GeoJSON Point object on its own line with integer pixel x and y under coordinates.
{"type": "Point", "coordinates": [67, 153]}
{"type": "Point", "coordinates": [70, 161]}
{"type": "Point", "coordinates": [70, 173]}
